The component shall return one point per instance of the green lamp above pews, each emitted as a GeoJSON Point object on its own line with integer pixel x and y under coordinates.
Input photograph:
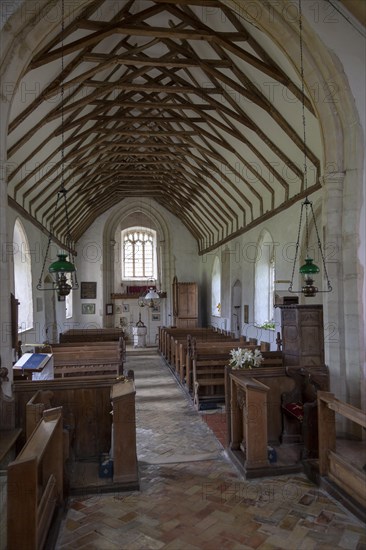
{"type": "Point", "coordinates": [62, 271]}
{"type": "Point", "coordinates": [308, 269]}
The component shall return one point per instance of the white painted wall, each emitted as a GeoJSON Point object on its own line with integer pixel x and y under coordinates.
{"type": "Point", "coordinates": [181, 255]}
{"type": "Point", "coordinates": [38, 246]}
{"type": "Point", "coordinates": [242, 252]}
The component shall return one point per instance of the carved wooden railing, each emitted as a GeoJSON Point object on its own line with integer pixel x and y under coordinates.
{"type": "Point", "coordinates": [331, 464]}
{"type": "Point", "coordinates": [249, 420]}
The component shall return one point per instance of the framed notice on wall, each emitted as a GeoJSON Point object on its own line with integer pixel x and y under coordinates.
{"type": "Point", "coordinates": [88, 309]}
{"type": "Point", "coordinates": [88, 291]}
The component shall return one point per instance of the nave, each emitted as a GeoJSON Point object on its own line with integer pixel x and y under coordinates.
{"type": "Point", "coordinates": [191, 497]}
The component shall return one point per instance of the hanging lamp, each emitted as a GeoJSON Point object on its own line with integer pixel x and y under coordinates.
{"type": "Point", "coordinates": [308, 270]}
{"type": "Point", "coordinates": [62, 271]}
{"type": "Point", "coordinates": [152, 296]}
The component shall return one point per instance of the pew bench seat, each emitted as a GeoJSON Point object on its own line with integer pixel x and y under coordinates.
{"type": "Point", "coordinates": [208, 380]}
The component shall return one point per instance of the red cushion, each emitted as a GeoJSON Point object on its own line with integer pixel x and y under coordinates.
{"type": "Point", "coordinates": [295, 409]}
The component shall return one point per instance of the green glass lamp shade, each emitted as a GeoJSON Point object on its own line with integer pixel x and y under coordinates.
{"type": "Point", "coordinates": [61, 265]}
{"type": "Point", "coordinates": [309, 268]}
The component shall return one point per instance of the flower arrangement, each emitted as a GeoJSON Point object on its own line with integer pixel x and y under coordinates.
{"type": "Point", "coordinates": [268, 325]}
{"type": "Point", "coordinates": [245, 358]}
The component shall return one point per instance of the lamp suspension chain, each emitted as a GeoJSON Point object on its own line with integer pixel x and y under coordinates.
{"type": "Point", "coordinates": [61, 267]}
{"type": "Point", "coordinates": [309, 269]}
{"type": "Point", "coordinates": [303, 97]}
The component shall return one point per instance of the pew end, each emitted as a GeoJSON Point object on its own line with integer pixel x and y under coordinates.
{"type": "Point", "coordinates": [299, 408]}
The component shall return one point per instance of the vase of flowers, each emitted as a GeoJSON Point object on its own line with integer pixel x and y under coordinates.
{"type": "Point", "coordinates": [243, 358]}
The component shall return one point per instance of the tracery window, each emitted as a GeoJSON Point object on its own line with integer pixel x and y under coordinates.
{"type": "Point", "coordinates": [138, 253]}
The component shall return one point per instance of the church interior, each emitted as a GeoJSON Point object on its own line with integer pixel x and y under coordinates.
{"type": "Point", "coordinates": [183, 274]}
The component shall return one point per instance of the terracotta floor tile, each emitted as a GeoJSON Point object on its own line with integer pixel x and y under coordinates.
{"type": "Point", "coordinates": [192, 498]}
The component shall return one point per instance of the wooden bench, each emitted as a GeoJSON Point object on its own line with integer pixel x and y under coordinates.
{"type": "Point", "coordinates": [91, 335]}
{"type": "Point", "coordinates": [342, 467]}
{"type": "Point", "coordinates": [281, 385]}
{"type": "Point", "coordinates": [113, 344]}
{"type": "Point", "coordinates": [166, 332]}
{"type": "Point", "coordinates": [85, 399]}
{"type": "Point", "coordinates": [209, 380]}
{"type": "Point", "coordinates": [87, 403]}
{"type": "Point", "coordinates": [100, 359]}
{"type": "Point", "coordinates": [177, 356]}
{"type": "Point", "coordinates": [209, 362]}
{"type": "Point", "coordinates": [35, 485]}
{"type": "Point", "coordinates": [208, 350]}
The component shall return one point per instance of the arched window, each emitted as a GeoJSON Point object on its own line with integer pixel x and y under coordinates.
{"type": "Point", "coordinates": [216, 288]}
{"type": "Point", "coordinates": [264, 280]}
{"type": "Point", "coordinates": [23, 277]}
{"type": "Point", "coordinates": [69, 301]}
{"type": "Point", "coordinates": [139, 253]}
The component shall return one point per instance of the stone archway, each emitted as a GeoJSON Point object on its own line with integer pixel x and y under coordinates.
{"type": "Point", "coordinates": [112, 225]}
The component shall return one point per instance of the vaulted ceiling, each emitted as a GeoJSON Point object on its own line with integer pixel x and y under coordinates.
{"type": "Point", "coordinates": [186, 102]}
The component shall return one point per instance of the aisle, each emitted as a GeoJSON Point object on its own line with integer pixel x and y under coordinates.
{"type": "Point", "coordinates": [191, 497]}
{"type": "Point", "coordinates": [168, 428]}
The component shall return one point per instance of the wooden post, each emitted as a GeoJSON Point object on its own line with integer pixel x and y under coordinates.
{"type": "Point", "coordinates": [235, 414]}
{"type": "Point", "coordinates": [124, 433]}
{"type": "Point", "coordinates": [326, 431]}
{"type": "Point", "coordinates": [249, 420]}
{"type": "Point", "coordinates": [256, 424]}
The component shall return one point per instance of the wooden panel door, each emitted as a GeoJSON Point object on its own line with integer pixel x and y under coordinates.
{"type": "Point", "coordinates": [185, 304]}
{"type": "Point", "coordinates": [302, 335]}
{"type": "Point", "coordinates": [187, 300]}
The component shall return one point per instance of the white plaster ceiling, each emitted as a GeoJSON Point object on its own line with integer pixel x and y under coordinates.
{"type": "Point", "coordinates": [184, 101]}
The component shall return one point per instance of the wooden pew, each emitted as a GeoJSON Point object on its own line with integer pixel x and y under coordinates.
{"type": "Point", "coordinates": [167, 332]}
{"type": "Point", "coordinates": [97, 358]}
{"type": "Point", "coordinates": [91, 335]}
{"type": "Point", "coordinates": [85, 399]}
{"type": "Point", "coordinates": [35, 485]}
{"type": "Point", "coordinates": [281, 385]}
{"type": "Point", "coordinates": [108, 344]}
{"type": "Point", "coordinates": [208, 370]}
{"type": "Point", "coordinates": [342, 467]}
{"type": "Point", "coordinates": [174, 358]}
{"type": "Point", "coordinates": [208, 350]}
{"type": "Point", "coordinates": [209, 380]}
{"type": "Point", "coordinates": [87, 403]}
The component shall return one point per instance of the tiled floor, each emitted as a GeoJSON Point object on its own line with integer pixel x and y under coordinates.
{"type": "Point", "coordinates": [192, 498]}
